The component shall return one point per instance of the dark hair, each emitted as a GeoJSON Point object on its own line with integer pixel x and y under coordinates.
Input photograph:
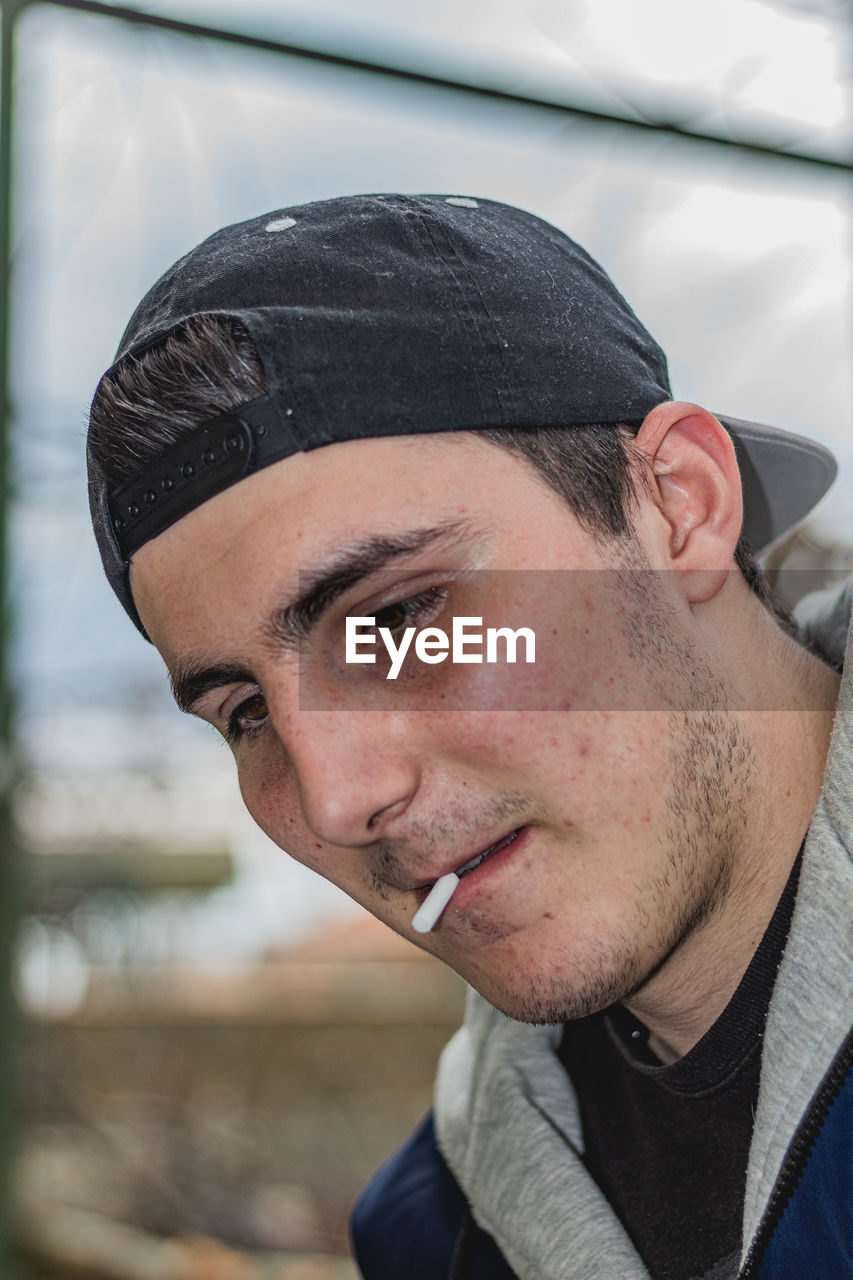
{"type": "Point", "coordinates": [152, 401]}
{"type": "Point", "coordinates": [210, 365]}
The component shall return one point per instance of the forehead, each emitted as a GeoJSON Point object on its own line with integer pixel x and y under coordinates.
{"type": "Point", "coordinates": [218, 565]}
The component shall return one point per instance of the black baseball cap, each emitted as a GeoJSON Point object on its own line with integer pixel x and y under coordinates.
{"type": "Point", "coordinates": [384, 315]}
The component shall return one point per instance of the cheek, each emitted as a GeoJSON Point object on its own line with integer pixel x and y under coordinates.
{"type": "Point", "coordinates": [269, 792]}
{"type": "Point", "coordinates": [593, 773]}
{"type": "Point", "coordinates": [268, 787]}
{"type": "Point", "coordinates": [594, 749]}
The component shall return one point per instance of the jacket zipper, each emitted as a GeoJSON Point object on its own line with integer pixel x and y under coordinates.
{"type": "Point", "coordinates": [798, 1154]}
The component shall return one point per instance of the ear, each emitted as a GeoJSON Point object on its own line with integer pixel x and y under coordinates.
{"type": "Point", "coordinates": [696, 490]}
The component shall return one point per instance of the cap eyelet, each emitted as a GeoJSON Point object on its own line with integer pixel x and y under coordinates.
{"type": "Point", "coordinates": [188, 470]}
{"type": "Point", "coordinates": [209, 457]}
{"type": "Point", "coordinates": [167, 484]}
{"type": "Point", "coordinates": [133, 511]}
{"type": "Point", "coordinates": [151, 497]}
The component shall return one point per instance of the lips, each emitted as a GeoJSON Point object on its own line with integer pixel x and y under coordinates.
{"type": "Point", "coordinates": [487, 853]}
{"type": "Point", "coordinates": [464, 868]}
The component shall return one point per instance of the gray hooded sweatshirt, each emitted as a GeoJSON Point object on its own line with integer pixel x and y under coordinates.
{"type": "Point", "coordinates": [506, 1116]}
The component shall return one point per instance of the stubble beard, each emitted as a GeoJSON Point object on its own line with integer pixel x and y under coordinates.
{"type": "Point", "coordinates": [710, 762]}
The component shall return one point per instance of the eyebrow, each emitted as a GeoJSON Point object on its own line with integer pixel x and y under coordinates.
{"type": "Point", "coordinates": [190, 681]}
{"type": "Point", "coordinates": [291, 623]}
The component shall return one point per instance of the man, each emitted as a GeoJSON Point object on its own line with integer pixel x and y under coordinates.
{"type": "Point", "coordinates": [372, 418]}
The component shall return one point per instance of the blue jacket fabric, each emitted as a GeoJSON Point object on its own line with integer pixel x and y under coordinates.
{"type": "Point", "coordinates": [412, 1221]}
{"type": "Point", "coordinates": [814, 1236]}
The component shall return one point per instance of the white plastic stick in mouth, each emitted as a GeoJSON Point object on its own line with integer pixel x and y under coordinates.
{"type": "Point", "coordinates": [426, 917]}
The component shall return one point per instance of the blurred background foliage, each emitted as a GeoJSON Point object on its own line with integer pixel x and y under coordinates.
{"type": "Point", "coordinates": [213, 1051]}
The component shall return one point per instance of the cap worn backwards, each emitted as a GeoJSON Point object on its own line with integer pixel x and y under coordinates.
{"type": "Point", "coordinates": [384, 315]}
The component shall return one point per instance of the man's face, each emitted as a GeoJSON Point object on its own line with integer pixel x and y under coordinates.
{"type": "Point", "coordinates": [617, 812]}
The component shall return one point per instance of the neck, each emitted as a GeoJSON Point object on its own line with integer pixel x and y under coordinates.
{"type": "Point", "coordinates": [688, 992]}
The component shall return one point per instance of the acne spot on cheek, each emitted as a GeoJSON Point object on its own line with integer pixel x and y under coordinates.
{"type": "Point", "coordinates": [583, 750]}
{"type": "Point", "coordinates": [567, 822]}
{"type": "Point", "coordinates": [548, 915]}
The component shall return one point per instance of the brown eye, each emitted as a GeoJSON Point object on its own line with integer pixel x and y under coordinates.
{"type": "Point", "coordinates": [249, 717]}
{"type": "Point", "coordinates": [414, 610]}
{"type": "Point", "coordinates": [394, 616]}
{"type": "Point", "coordinates": [253, 709]}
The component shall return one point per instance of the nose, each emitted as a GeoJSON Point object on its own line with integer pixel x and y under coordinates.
{"type": "Point", "coordinates": [354, 772]}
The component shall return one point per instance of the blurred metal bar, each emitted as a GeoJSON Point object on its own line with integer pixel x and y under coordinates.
{"type": "Point", "coordinates": [9, 878]}
{"type": "Point", "coordinates": [753, 146]}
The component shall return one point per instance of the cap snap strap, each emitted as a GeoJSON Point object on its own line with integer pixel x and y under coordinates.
{"type": "Point", "coordinates": [202, 464]}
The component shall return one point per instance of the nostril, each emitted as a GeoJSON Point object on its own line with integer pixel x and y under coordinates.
{"type": "Point", "coordinates": [387, 814]}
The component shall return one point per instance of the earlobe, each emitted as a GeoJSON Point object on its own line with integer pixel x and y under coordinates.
{"type": "Point", "coordinates": [696, 490]}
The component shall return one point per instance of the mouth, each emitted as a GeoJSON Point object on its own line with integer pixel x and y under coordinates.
{"type": "Point", "coordinates": [478, 860]}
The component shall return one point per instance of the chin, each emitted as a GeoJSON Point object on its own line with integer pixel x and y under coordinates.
{"type": "Point", "coordinates": [550, 999]}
